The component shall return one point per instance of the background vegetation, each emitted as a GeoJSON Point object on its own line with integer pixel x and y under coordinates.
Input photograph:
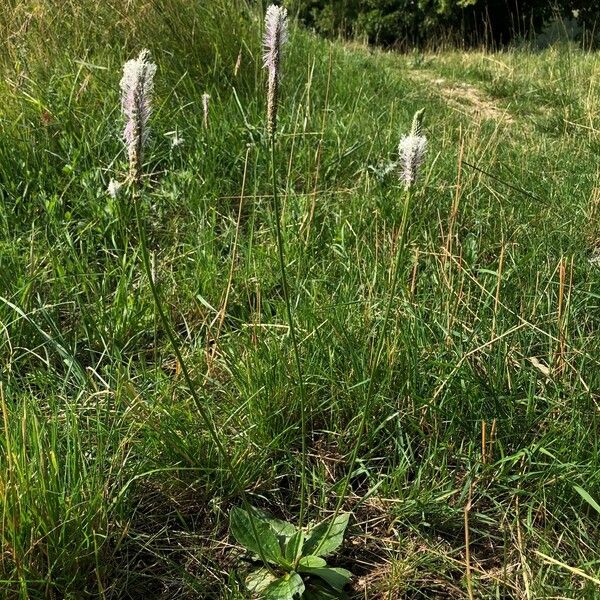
{"type": "Point", "coordinates": [479, 475]}
{"type": "Point", "coordinates": [434, 23]}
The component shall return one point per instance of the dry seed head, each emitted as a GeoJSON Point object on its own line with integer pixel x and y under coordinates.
{"type": "Point", "coordinates": [205, 101]}
{"type": "Point", "coordinates": [238, 64]}
{"type": "Point", "coordinates": [137, 85]}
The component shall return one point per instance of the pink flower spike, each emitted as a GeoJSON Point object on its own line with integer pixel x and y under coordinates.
{"type": "Point", "coordinates": [137, 85]}
{"type": "Point", "coordinates": [276, 34]}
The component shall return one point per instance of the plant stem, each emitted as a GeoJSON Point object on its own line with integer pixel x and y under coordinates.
{"type": "Point", "coordinates": [202, 410]}
{"type": "Point", "coordinates": [292, 328]}
{"type": "Point", "coordinates": [375, 360]}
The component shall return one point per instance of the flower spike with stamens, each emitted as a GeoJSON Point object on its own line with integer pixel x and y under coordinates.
{"type": "Point", "coordinates": [412, 149]}
{"type": "Point", "coordinates": [137, 84]}
{"type": "Point", "coordinates": [276, 34]}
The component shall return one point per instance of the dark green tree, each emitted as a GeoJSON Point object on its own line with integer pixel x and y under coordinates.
{"type": "Point", "coordinates": [469, 22]}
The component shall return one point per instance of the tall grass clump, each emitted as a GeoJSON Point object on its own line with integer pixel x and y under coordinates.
{"type": "Point", "coordinates": [63, 504]}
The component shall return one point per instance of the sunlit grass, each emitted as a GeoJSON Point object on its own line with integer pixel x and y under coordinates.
{"type": "Point", "coordinates": [484, 408]}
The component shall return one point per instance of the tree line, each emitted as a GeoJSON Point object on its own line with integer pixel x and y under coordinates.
{"type": "Point", "coordinates": [431, 22]}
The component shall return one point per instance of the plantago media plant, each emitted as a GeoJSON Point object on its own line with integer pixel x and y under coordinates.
{"type": "Point", "coordinates": [411, 151]}
{"type": "Point", "coordinates": [275, 36]}
{"type": "Point", "coordinates": [296, 567]}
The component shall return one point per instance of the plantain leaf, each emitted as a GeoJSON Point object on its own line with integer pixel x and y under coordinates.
{"type": "Point", "coordinates": [259, 540]}
{"type": "Point", "coordinates": [336, 577]}
{"type": "Point", "coordinates": [311, 562]}
{"type": "Point", "coordinates": [319, 591]}
{"type": "Point", "coordinates": [282, 529]}
{"type": "Point", "coordinates": [258, 581]}
{"type": "Point", "coordinates": [293, 548]}
{"type": "Point", "coordinates": [285, 588]}
{"type": "Point", "coordinates": [326, 537]}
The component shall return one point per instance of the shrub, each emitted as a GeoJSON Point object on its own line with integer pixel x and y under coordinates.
{"type": "Point", "coordinates": [418, 22]}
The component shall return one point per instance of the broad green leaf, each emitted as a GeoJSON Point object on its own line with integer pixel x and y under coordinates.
{"type": "Point", "coordinates": [258, 581]}
{"type": "Point", "coordinates": [318, 594]}
{"type": "Point", "coordinates": [293, 547]}
{"type": "Point", "coordinates": [311, 562]}
{"type": "Point", "coordinates": [336, 577]}
{"type": "Point", "coordinates": [285, 588]}
{"type": "Point", "coordinates": [319, 591]}
{"type": "Point", "coordinates": [326, 537]}
{"type": "Point", "coordinates": [282, 529]}
{"type": "Point", "coordinates": [587, 498]}
{"type": "Point", "coordinates": [259, 539]}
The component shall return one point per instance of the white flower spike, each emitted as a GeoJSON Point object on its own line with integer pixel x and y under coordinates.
{"type": "Point", "coordinates": [137, 85]}
{"type": "Point", "coordinates": [114, 187]}
{"type": "Point", "coordinates": [276, 35]}
{"type": "Point", "coordinates": [412, 150]}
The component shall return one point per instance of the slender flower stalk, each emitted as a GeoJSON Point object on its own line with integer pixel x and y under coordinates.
{"type": "Point", "coordinates": [412, 153]}
{"type": "Point", "coordinates": [205, 102]}
{"type": "Point", "coordinates": [411, 150]}
{"type": "Point", "coordinates": [276, 35]}
{"type": "Point", "coordinates": [137, 84]}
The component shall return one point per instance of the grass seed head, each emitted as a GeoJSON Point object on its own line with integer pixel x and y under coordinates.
{"type": "Point", "coordinates": [205, 101]}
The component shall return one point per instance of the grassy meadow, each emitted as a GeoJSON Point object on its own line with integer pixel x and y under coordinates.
{"type": "Point", "coordinates": [477, 471]}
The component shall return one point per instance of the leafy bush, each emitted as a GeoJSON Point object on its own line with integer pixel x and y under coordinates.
{"type": "Point", "coordinates": [409, 22]}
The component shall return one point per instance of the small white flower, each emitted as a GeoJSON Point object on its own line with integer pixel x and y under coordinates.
{"type": "Point", "coordinates": [176, 139]}
{"type": "Point", "coordinates": [114, 188]}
